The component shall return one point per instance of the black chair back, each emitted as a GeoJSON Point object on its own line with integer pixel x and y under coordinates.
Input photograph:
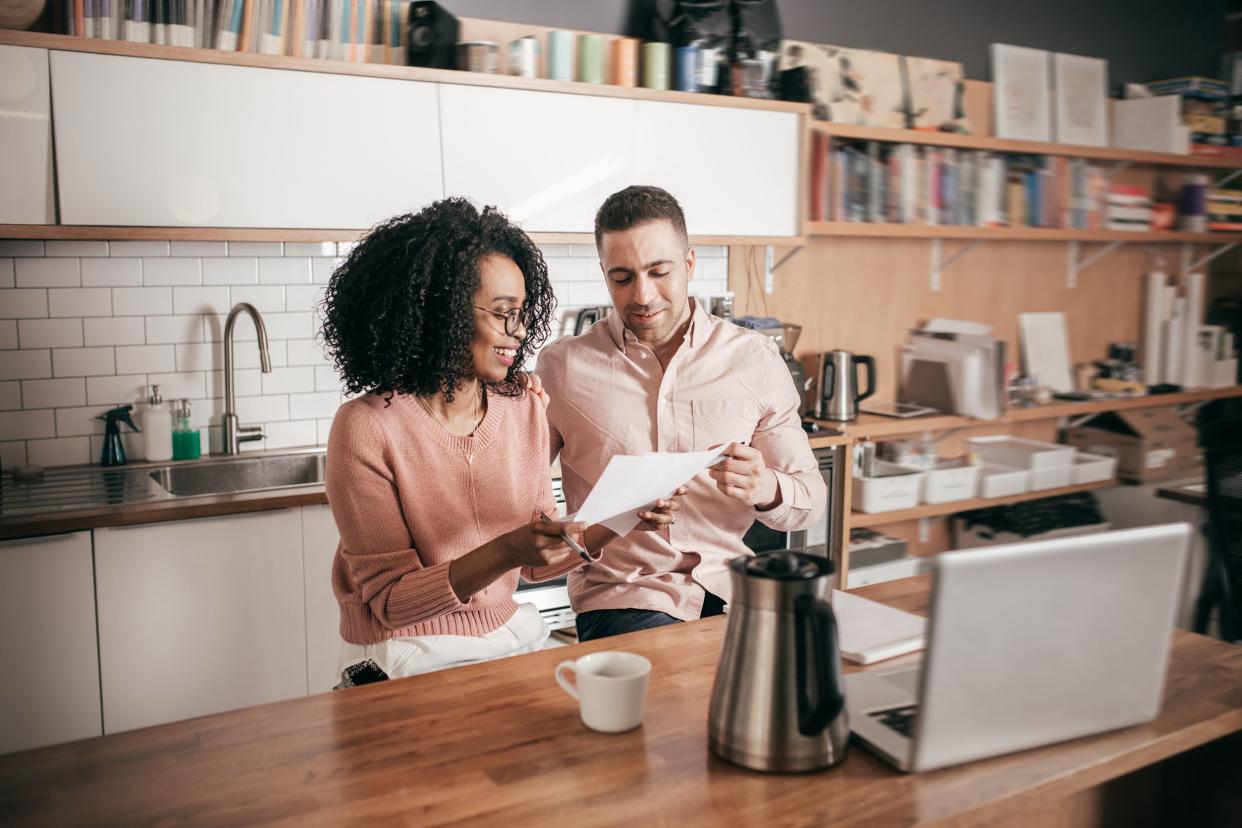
{"type": "Point", "coordinates": [1222, 585]}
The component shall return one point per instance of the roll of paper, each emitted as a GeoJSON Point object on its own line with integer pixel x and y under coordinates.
{"type": "Point", "coordinates": [1153, 328]}
{"type": "Point", "coordinates": [1191, 321]}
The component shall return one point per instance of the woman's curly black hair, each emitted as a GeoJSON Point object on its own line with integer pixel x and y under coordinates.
{"type": "Point", "coordinates": [399, 311]}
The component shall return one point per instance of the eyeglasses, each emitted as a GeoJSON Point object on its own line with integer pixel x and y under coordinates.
{"type": "Point", "coordinates": [513, 318]}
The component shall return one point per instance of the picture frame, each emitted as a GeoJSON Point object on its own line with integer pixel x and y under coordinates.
{"type": "Point", "coordinates": [1020, 93]}
{"type": "Point", "coordinates": [1080, 90]}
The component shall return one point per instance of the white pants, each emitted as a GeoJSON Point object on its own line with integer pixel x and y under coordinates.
{"type": "Point", "coordinates": [525, 632]}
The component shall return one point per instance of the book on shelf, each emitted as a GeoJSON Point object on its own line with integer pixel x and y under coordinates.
{"type": "Point", "coordinates": [358, 30]}
{"type": "Point", "coordinates": [878, 182]}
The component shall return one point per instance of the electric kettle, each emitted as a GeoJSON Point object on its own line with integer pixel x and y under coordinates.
{"type": "Point", "coordinates": [778, 703]}
{"type": "Point", "coordinates": [838, 385]}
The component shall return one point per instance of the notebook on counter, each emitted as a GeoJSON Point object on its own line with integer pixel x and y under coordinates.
{"type": "Point", "coordinates": [872, 632]}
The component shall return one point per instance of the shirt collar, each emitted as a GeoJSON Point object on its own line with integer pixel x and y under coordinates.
{"type": "Point", "coordinates": [695, 335]}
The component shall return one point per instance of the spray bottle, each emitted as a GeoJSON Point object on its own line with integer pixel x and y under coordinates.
{"type": "Point", "coordinates": [113, 450]}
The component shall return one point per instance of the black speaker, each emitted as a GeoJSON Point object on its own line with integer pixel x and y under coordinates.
{"type": "Point", "coordinates": [433, 36]}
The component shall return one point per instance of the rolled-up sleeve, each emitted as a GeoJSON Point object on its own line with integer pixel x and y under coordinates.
{"type": "Point", "coordinates": [787, 452]}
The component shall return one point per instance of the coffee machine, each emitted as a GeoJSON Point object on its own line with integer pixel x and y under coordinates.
{"type": "Point", "coordinates": [801, 381]}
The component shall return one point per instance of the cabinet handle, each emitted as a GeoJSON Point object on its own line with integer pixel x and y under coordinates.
{"type": "Point", "coordinates": [126, 526]}
{"type": "Point", "coordinates": [35, 539]}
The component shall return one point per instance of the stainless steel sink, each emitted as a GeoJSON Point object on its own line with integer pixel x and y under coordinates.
{"type": "Point", "coordinates": [241, 475]}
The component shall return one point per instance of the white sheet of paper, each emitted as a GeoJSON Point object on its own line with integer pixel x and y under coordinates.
{"type": "Point", "coordinates": [871, 632]}
{"type": "Point", "coordinates": [1045, 349]}
{"type": "Point", "coordinates": [632, 482]}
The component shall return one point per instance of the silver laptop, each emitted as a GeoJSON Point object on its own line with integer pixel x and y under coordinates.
{"type": "Point", "coordinates": [1029, 644]}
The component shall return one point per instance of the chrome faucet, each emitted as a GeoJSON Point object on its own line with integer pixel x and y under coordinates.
{"type": "Point", "coordinates": [235, 434]}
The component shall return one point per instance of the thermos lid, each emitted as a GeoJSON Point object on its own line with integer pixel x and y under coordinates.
{"type": "Point", "coordinates": [786, 566]}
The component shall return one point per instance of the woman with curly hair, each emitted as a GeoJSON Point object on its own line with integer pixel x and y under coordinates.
{"type": "Point", "coordinates": [437, 472]}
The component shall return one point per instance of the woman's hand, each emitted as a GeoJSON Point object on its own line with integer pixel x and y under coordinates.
{"type": "Point", "coordinates": [663, 514]}
{"type": "Point", "coordinates": [539, 543]}
{"type": "Point", "coordinates": [535, 386]}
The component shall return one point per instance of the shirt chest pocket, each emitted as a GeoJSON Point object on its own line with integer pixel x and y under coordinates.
{"type": "Point", "coordinates": [722, 421]}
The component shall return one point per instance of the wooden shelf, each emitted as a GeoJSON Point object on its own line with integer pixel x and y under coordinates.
{"type": "Point", "coordinates": [859, 229]}
{"type": "Point", "coordinates": [862, 519]}
{"type": "Point", "coordinates": [984, 142]}
{"type": "Point", "coordinates": [871, 426]}
{"type": "Point", "coordinates": [69, 43]}
{"type": "Point", "coordinates": [302, 234]}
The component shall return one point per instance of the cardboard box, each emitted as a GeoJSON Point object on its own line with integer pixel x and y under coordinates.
{"type": "Point", "coordinates": [1149, 444]}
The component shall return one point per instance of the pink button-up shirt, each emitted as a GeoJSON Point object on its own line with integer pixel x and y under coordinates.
{"type": "Point", "coordinates": [724, 384]}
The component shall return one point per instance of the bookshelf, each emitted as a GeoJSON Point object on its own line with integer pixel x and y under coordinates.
{"type": "Point", "coordinates": [894, 230]}
{"type": "Point", "coordinates": [865, 519]}
{"type": "Point", "coordinates": [874, 427]}
{"type": "Point", "coordinates": [988, 143]}
{"type": "Point", "coordinates": [1056, 188]}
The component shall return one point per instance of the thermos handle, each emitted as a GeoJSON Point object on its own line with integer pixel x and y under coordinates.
{"type": "Point", "coordinates": [870, 363]}
{"type": "Point", "coordinates": [816, 631]}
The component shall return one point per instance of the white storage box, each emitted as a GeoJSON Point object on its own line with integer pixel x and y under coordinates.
{"type": "Point", "coordinates": [1019, 453]}
{"type": "Point", "coordinates": [1051, 478]}
{"type": "Point", "coordinates": [1051, 465]}
{"type": "Point", "coordinates": [1092, 468]}
{"type": "Point", "coordinates": [889, 571]}
{"type": "Point", "coordinates": [949, 480]}
{"type": "Point", "coordinates": [1002, 481]}
{"type": "Point", "coordinates": [893, 487]}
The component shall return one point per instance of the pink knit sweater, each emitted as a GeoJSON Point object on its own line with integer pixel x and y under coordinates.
{"type": "Point", "coordinates": [409, 497]}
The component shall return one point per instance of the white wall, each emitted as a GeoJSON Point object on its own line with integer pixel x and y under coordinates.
{"type": "Point", "coordinates": [86, 325]}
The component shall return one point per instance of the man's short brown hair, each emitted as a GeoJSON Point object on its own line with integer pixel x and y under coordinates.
{"type": "Point", "coordinates": [637, 205]}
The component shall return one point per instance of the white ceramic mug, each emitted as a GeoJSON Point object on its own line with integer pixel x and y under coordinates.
{"type": "Point", "coordinates": [611, 689]}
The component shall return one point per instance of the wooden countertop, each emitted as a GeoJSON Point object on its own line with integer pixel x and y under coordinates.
{"type": "Point", "coordinates": [155, 511]}
{"type": "Point", "coordinates": [501, 742]}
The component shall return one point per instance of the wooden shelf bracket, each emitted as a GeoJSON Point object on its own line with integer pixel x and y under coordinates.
{"type": "Point", "coordinates": [776, 266]}
{"type": "Point", "coordinates": [1073, 264]}
{"type": "Point", "coordinates": [1194, 264]}
{"type": "Point", "coordinates": [939, 263]}
{"type": "Point", "coordinates": [1225, 180]}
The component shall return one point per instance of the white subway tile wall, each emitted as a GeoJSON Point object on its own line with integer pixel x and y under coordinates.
{"type": "Point", "coordinates": [88, 325]}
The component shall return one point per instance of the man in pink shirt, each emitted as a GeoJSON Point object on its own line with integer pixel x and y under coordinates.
{"type": "Point", "coordinates": [660, 374]}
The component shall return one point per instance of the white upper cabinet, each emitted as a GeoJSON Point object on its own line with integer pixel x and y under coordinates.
{"type": "Point", "coordinates": [546, 159]}
{"type": "Point", "coordinates": [550, 159]}
{"type": "Point", "coordinates": [26, 195]}
{"type": "Point", "coordinates": [173, 143]}
{"type": "Point", "coordinates": [734, 171]}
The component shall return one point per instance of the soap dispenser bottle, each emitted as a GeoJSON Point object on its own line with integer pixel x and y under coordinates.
{"type": "Point", "coordinates": [185, 439]}
{"type": "Point", "coordinates": [157, 428]}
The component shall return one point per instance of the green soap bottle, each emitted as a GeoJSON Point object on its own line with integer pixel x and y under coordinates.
{"type": "Point", "coordinates": [186, 444]}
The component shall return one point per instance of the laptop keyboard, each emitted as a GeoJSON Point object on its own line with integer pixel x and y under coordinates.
{"type": "Point", "coordinates": [900, 719]}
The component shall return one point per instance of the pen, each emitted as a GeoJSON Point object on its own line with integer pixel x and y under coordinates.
{"type": "Point", "coordinates": [573, 544]}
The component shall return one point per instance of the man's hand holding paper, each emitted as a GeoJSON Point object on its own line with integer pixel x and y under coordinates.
{"type": "Point", "coordinates": [634, 483]}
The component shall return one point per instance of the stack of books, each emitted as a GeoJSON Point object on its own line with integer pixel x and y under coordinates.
{"type": "Point", "coordinates": [1225, 210]}
{"type": "Point", "coordinates": [372, 31]}
{"type": "Point", "coordinates": [1127, 208]}
{"type": "Point", "coordinates": [874, 181]}
{"type": "Point", "coordinates": [1204, 107]}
